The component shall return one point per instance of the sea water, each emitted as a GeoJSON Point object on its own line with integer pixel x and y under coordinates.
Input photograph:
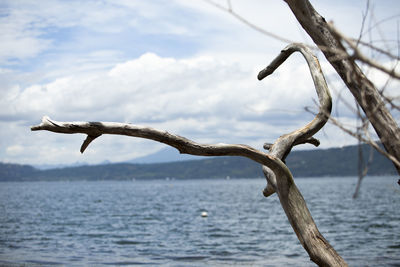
{"type": "Point", "coordinates": [160, 223]}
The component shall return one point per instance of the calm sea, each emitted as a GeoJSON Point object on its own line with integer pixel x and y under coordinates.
{"type": "Point", "coordinates": [159, 223]}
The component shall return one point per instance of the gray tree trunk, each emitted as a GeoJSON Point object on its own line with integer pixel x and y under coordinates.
{"type": "Point", "coordinates": [359, 85]}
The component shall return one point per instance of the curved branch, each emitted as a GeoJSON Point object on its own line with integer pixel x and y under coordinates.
{"type": "Point", "coordinates": [184, 145]}
{"type": "Point", "coordinates": [293, 203]}
{"type": "Point", "coordinates": [304, 134]}
{"type": "Point", "coordinates": [279, 178]}
{"type": "Point", "coordinates": [282, 147]}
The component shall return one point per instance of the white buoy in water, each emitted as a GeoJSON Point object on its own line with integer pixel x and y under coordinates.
{"type": "Point", "coordinates": [204, 214]}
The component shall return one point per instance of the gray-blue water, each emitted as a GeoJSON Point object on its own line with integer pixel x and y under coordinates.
{"type": "Point", "coordinates": [160, 223]}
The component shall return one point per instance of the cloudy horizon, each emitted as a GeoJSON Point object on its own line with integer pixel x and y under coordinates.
{"type": "Point", "coordinates": [182, 66]}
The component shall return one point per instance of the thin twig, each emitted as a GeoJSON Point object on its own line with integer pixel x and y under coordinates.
{"type": "Point", "coordinates": [358, 55]}
{"type": "Point", "coordinates": [248, 23]}
{"type": "Point", "coordinates": [379, 50]}
{"type": "Point", "coordinates": [365, 140]}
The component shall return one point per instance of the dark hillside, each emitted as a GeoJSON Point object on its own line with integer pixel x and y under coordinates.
{"type": "Point", "coordinates": [319, 162]}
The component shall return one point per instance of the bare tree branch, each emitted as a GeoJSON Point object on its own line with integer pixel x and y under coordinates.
{"type": "Point", "coordinates": [369, 141]}
{"type": "Point", "coordinates": [362, 168]}
{"type": "Point", "coordinates": [278, 176]}
{"type": "Point", "coordinates": [358, 55]}
{"type": "Point", "coordinates": [363, 90]}
{"type": "Point", "coordinates": [303, 134]}
{"type": "Point", "coordinates": [184, 145]}
{"type": "Point", "coordinates": [379, 50]}
{"type": "Point", "coordinates": [230, 10]}
{"type": "Point", "coordinates": [315, 244]}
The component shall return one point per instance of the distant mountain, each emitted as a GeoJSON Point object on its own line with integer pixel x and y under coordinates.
{"type": "Point", "coordinates": [167, 154]}
{"type": "Point", "coordinates": [16, 172]}
{"type": "Point", "coordinates": [312, 163]}
{"type": "Point", "coordinates": [337, 162]}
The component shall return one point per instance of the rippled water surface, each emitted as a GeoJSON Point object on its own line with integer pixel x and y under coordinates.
{"type": "Point", "coordinates": [160, 223]}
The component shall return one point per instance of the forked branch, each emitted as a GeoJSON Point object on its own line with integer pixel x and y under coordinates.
{"type": "Point", "coordinates": [279, 178]}
{"type": "Point", "coordinates": [284, 144]}
{"type": "Point", "coordinates": [319, 249]}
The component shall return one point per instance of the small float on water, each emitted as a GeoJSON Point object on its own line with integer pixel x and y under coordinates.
{"type": "Point", "coordinates": [204, 214]}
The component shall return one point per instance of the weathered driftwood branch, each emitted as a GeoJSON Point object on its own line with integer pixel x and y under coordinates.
{"type": "Point", "coordinates": [279, 178]}
{"type": "Point", "coordinates": [320, 251]}
{"type": "Point", "coordinates": [304, 134]}
{"type": "Point", "coordinates": [284, 144]}
{"type": "Point", "coordinates": [282, 147]}
{"type": "Point", "coordinates": [184, 145]}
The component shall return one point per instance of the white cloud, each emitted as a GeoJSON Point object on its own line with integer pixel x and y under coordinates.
{"type": "Point", "coordinates": [17, 39]}
{"type": "Point", "coordinates": [30, 28]}
{"type": "Point", "coordinates": [183, 66]}
{"type": "Point", "coordinates": [204, 98]}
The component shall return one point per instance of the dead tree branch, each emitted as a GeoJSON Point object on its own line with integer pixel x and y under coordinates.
{"type": "Point", "coordinates": [282, 147]}
{"type": "Point", "coordinates": [358, 55]}
{"type": "Point", "coordinates": [366, 140]}
{"type": "Point", "coordinates": [184, 145]}
{"type": "Point", "coordinates": [363, 90]}
{"type": "Point", "coordinates": [377, 49]}
{"type": "Point", "coordinates": [329, 41]}
{"type": "Point", "coordinates": [231, 11]}
{"type": "Point", "coordinates": [318, 248]}
{"type": "Point", "coordinates": [278, 176]}
{"type": "Point", "coordinates": [362, 167]}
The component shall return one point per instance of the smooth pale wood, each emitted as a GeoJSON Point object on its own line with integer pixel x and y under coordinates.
{"type": "Point", "coordinates": [363, 90]}
{"type": "Point", "coordinates": [279, 177]}
{"type": "Point", "coordinates": [293, 203]}
{"type": "Point", "coordinates": [184, 145]}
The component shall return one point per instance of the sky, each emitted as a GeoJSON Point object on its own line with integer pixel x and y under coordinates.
{"type": "Point", "coordinates": [182, 66]}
